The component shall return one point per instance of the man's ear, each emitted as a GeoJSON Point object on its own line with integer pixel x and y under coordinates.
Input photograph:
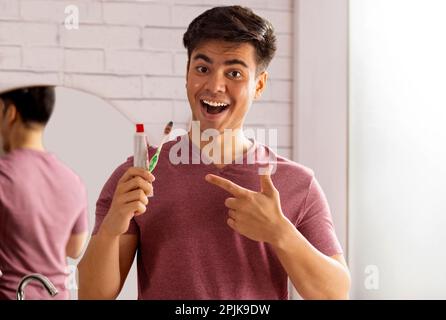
{"type": "Point", "coordinates": [260, 84]}
{"type": "Point", "coordinates": [11, 114]}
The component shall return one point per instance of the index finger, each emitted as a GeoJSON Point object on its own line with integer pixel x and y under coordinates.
{"type": "Point", "coordinates": [227, 185]}
{"type": "Point", "coordinates": [137, 172]}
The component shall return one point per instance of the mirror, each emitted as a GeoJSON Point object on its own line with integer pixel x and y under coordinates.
{"type": "Point", "coordinates": [92, 137]}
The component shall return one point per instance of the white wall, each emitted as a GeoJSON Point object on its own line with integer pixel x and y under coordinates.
{"type": "Point", "coordinates": [398, 154]}
{"type": "Point", "coordinates": [320, 114]}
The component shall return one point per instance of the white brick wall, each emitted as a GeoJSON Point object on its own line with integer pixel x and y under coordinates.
{"type": "Point", "coordinates": [42, 58]}
{"type": "Point", "coordinates": [137, 62]}
{"type": "Point", "coordinates": [100, 36]}
{"type": "Point", "coordinates": [130, 53]}
{"type": "Point", "coordinates": [9, 9]}
{"type": "Point", "coordinates": [137, 13]}
{"type": "Point", "coordinates": [10, 57]}
{"type": "Point", "coordinates": [28, 33]}
{"type": "Point", "coordinates": [54, 11]}
{"type": "Point", "coordinates": [84, 60]}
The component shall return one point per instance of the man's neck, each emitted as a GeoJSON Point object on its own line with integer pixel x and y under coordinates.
{"type": "Point", "coordinates": [230, 146]}
{"type": "Point", "coordinates": [27, 139]}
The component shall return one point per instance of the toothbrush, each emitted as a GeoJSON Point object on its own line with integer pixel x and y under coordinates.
{"type": "Point", "coordinates": [154, 160]}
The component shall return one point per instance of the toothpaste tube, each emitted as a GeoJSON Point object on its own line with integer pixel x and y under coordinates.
{"type": "Point", "coordinates": [140, 153]}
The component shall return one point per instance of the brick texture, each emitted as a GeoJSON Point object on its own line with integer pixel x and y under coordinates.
{"type": "Point", "coordinates": [130, 53]}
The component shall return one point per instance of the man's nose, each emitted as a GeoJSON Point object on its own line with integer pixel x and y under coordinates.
{"type": "Point", "coordinates": [216, 83]}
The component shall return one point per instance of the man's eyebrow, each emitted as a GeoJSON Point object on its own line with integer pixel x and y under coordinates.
{"type": "Point", "coordinates": [236, 61]}
{"type": "Point", "coordinates": [203, 57]}
{"type": "Point", "coordinates": [226, 63]}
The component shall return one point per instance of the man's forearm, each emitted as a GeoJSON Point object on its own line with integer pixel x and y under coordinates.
{"type": "Point", "coordinates": [314, 275]}
{"type": "Point", "coordinates": [99, 274]}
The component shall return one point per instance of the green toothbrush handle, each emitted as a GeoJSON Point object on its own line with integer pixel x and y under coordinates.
{"type": "Point", "coordinates": [153, 162]}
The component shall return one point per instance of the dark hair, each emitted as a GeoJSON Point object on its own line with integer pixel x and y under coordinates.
{"type": "Point", "coordinates": [233, 24]}
{"type": "Point", "coordinates": [34, 104]}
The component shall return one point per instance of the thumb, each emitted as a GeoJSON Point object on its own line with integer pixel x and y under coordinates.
{"type": "Point", "coordinates": [266, 185]}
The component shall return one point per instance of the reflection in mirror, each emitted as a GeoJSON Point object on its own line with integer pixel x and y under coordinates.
{"type": "Point", "coordinates": [38, 218]}
{"type": "Point", "coordinates": [92, 138]}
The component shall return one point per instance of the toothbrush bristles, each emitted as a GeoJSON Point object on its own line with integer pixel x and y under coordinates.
{"type": "Point", "coordinates": [168, 128]}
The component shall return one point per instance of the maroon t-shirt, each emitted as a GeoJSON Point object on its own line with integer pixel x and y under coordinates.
{"type": "Point", "coordinates": [186, 249]}
{"type": "Point", "coordinates": [42, 203]}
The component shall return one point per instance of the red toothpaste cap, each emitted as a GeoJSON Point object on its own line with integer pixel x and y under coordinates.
{"type": "Point", "coordinates": [139, 127]}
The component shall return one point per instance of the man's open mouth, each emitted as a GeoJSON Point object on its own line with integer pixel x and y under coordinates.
{"type": "Point", "coordinates": [213, 107]}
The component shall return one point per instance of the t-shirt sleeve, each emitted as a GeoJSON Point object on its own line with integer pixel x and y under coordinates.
{"type": "Point", "coordinates": [316, 224]}
{"type": "Point", "coordinates": [105, 198]}
{"type": "Point", "coordinates": [81, 224]}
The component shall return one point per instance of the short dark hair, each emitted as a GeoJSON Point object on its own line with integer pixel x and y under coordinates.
{"type": "Point", "coordinates": [34, 104]}
{"type": "Point", "coordinates": [233, 24]}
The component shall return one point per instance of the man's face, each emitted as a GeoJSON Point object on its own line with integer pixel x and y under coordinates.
{"type": "Point", "coordinates": [222, 83]}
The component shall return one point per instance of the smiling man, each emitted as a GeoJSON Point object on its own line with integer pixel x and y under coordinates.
{"type": "Point", "coordinates": [217, 230]}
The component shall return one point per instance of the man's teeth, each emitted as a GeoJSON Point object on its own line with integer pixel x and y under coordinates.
{"type": "Point", "coordinates": [215, 104]}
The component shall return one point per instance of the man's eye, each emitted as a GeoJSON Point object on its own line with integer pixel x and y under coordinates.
{"type": "Point", "coordinates": [202, 69]}
{"type": "Point", "coordinates": [235, 74]}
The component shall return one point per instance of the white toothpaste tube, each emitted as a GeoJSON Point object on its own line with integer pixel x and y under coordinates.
{"type": "Point", "coordinates": [140, 153]}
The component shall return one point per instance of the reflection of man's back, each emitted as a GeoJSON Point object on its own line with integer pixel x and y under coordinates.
{"type": "Point", "coordinates": [43, 204]}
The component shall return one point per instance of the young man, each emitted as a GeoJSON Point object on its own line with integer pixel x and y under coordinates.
{"type": "Point", "coordinates": [213, 229]}
{"type": "Point", "coordinates": [43, 204]}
